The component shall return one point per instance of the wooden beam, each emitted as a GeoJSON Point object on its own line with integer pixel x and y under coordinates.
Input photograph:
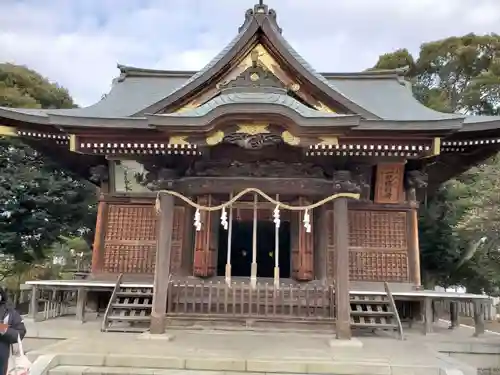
{"type": "Point", "coordinates": [8, 131]}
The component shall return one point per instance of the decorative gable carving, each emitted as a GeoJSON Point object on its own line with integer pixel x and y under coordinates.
{"type": "Point", "coordinates": [255, 76]}
{"type": "Point", "coordinates": [270, 68]}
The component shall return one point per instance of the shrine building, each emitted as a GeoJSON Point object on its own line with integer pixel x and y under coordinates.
{"type": "Point", "coordinates": [335, 163]}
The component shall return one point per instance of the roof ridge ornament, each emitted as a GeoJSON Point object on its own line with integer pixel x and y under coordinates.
{"type": "Point", "coordinates": [260, 11]}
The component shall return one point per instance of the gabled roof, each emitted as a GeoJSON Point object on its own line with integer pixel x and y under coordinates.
{"type": "Point", "coordinates": [381, 100]}
{"type": "Point", "coordinates": [260, 24]}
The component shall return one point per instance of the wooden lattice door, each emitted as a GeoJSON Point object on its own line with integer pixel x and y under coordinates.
{"type": "Point", "coordinates": [302, 246]}
{"type": "Point", "coordinates": [205, 242]}
{"type": "Point", "coordinates": [177, 240]}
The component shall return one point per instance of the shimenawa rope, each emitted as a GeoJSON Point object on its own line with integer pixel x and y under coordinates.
{"type": "Point", "coordinates": [246, 191]}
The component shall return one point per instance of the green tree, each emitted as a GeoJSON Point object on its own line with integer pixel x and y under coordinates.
{"type": "Point", "coordinates": [39, 201]}
{"type": "Point", "coordinates": [459, 222]}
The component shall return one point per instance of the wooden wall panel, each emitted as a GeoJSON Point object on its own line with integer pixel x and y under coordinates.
{"type": "Point", "coordinates": [389, 183]}
{"type": "Point", "coordinates": [130, 239]}
{"type": "Point", "coordinates": [378, 246]}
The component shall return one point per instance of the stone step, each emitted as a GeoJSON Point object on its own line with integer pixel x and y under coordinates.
{"type": "Point", "coordinates": [98, 370]}
{"type": "Point", "coordinates": [374, 326]}
{"type": "Point", "coordinates": [73, 364]}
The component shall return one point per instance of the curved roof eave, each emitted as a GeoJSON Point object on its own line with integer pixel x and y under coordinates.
{"type": "Point", "coordinates": [480, 123]}
{"type": "Point", "coordinates": [244, 109]}
{"type": "Point", "coordinates": [246, 34]}
{"type": "Point", "coordinates": [99, 122]}
{"type": "Point", "coordinates": [303, 67]}
{"type": "Point", "coordinates": [437, 125]}
{"type": "Point", "coordinates": [60, 117]}
{"type": "Point", "coordinates": [278, 97]}
{"type": "Point", "coordinates": [34, 116]}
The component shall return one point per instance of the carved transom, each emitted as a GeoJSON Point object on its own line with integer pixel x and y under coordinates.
{"type": "Point", "coordinates": [253, 141]}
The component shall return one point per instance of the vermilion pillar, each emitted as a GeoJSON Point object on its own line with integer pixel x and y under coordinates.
{"type": "Point", "coordinates": [100, 229]}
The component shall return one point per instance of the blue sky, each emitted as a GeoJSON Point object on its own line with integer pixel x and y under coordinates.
{"type": "Point", "coordinates": [78, 43]}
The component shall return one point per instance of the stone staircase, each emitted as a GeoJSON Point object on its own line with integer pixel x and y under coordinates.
{"type": "Point", "coordinates": [129, 309]}
{"type": "Point", "coordinates": [376, 311]}
{"type": "Point", "coordinates": [99, 370]}
{"type": "Point", "coordinates": [76, 364]}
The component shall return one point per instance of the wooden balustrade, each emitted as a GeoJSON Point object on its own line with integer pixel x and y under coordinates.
{"type": "Point", "coordinates": [464, 309]}
{"type": "Point", "coordinates": [56, 303]}
{"type": "Point", "coordinates": [303, 302]}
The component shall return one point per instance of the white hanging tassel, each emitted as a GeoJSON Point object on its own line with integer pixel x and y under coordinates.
{"type": "Point", "coordinates": [307, 221]}
{"type": "Point", "coordinates": [197, 220]}
{"type": "Point", "coordinates": [276, 216]}
{"type": "Point", "coordinates": [223, 219]}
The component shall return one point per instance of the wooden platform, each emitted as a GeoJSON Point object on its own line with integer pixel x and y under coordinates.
{"type": "Point", "coordinates": [107, 282]}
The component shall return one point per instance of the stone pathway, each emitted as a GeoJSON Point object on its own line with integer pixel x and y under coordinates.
{"type": "Point", "coordinates": [248, 351]}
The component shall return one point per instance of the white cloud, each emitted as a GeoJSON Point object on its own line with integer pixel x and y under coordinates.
{"type": "Point", "coordinates": [78, 43]}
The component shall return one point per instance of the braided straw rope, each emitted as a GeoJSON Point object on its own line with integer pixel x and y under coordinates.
{"type": "Point", "coordinates": [249, 190]}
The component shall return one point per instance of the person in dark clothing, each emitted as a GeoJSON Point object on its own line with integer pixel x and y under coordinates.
{"type": "Point", "coordinates": [11, 327]}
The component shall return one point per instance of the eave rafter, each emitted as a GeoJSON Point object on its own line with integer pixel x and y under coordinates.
{"type": "Point", "coordinates": [462, 145]}
{"type": "Point", "coordinates": [249, 135]}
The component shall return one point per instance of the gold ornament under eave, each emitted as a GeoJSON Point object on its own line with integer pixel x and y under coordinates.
{"type": "Point", "coordinates": [289, 138]}
{"type": "Point", "coordinates": [253, 129]}
{"type": "Point", "coordinates": [215, 138]}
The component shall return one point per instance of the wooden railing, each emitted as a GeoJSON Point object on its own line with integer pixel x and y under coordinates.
{"type": "Point", "coordinates": [239, 300]}
{"type": "Point", "coordinates": [394, 309]}
{"type": "Point", "coordinates": [112, 299]}
{"type": "Point", "coordinates": [56, 303]}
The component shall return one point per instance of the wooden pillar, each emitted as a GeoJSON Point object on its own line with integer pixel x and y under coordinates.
{"type": "Point", "coordinates": [413, 248]}
{"type": "Point", "coordinates": [342, 299]}
{"type": "Point", "coordinates": [414, 179]}
{"type": "Point", "coordinates": [81, 302]}
{"type": "Point", "coordinates": [478, 317]}
{"type": "Point", "coordinates": [428, 315]}
{"type": "Point", "coordinates": [162, 265]}
{"type": "Point", "coordinates": [33, 309]}
{"type": "Point", "coordinates": [100, 231]}
{"type": "Point", "coordinates": [453, 314]}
